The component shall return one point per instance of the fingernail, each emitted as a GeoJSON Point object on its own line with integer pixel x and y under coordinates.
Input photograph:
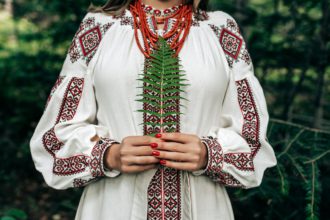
{"type": "Point", "coordinates": [153, 145]}
{"type": "Point", "coordinates": [155, 153]}
{"type": "Point", "coordinates": [162, 162]}
{"type": "Point", "coordinates": [158, 135]}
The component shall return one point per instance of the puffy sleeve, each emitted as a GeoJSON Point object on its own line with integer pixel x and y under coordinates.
{"type": "Point", "coordinates": [68, 145]}
{"type": "Point", "coordinates": [238, 149]}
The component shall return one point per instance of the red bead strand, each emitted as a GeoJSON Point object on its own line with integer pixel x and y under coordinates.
{"type": "Point", "coordinates": [181, 26]}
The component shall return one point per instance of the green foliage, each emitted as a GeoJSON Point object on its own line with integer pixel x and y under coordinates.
{"type": "Point", "coordinates": [14, 214]}
{"type": "Point", "coordinates": [163, 77]}
{"type": "Point", "coordinates": [302, 154]}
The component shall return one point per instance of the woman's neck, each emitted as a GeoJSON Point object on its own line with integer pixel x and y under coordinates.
{"type": "Point", "coordinates": [161, 4]}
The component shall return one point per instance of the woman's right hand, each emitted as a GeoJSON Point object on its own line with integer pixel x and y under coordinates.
{"type": "Point", "coordinates": [133, 154]}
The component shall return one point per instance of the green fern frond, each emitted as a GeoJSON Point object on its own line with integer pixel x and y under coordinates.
{"type": "Point", "coordinates": [313, 190]}
{"type": "Point", "coordinates": [164, 77]}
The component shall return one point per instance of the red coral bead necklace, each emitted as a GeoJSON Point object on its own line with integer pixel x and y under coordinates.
{"type": "Point", "coordinates": [182, 14]}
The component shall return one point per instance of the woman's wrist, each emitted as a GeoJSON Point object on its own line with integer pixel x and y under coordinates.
{"type": "Point", "coordinates": [205, 156]}
{"type": "Point", "coordinates": [110, 157]}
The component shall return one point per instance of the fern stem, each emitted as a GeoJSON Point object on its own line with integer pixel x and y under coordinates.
{"type": "Point", "coordinates": [317, 158]}
{"type": "Point", "coordinates": [313, 190]}
{"type": "Point", "coordinates": [291, 142]}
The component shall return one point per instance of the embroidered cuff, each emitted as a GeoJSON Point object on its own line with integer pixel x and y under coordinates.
{"type": "Point", "coordinates": [215, 157]}
{"type": "Point", "coordinates": [96, 163]}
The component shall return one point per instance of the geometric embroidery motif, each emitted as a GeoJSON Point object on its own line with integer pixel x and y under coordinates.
{"type": "Point", "coordinates": [242, 161]}
{"type": "Point", "coordinates": [125, 20]}
{"type": "Point", "coordinates": [214, 168]}
{"type": "Point", "coordinates": [87, 39]}
{"type": "Point", "coordinates": [71, 100]}
{"type": "Point", "coordinates": [232, 42]}
{"type": "Point", "coordinates": [202, 15]}
{"type": "Point", "coordinates": [90, 40]}
{"type": "Point", "coordinates": [251, 125]}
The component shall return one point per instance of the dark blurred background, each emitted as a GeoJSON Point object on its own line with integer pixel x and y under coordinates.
{"type": "Point", "coordinates": [289, 44]}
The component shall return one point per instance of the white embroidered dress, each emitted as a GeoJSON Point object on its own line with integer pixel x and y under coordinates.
{"type": "Point", "coordinates": [96, 93]}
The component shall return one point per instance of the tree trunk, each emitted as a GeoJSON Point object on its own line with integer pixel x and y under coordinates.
{"type": "Point", "coordinates": [9, 7]}
{"type": "Point", "coordinates": [318, 103]}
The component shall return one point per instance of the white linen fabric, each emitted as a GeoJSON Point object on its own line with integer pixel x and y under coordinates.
{"type": "Point", "coordinates": [95, 95]}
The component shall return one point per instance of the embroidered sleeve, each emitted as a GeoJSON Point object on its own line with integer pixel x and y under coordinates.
{"type": "Point", "coordinates": [68, 145]}
{"type": "Point", "coordinates": [238, 150]}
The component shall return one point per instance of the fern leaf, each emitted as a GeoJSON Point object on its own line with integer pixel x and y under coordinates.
{"type": "Point", "coordinates": [164, 77]}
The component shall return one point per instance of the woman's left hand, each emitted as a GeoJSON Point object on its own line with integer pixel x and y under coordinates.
{"type": "Point", "coordinates": [181, 151]}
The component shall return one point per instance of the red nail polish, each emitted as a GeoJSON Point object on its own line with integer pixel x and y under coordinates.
{"type": "Point", "coordinates": [155, 153]}
{"type": "Point", "coordinates": [162, 162]}
{"type": "Point", "coordinates": [158, 135]}
{"type": "Point", "coordinates": [153, 145]}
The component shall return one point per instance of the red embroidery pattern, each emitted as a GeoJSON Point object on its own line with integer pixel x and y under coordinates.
{"type": "Point", "coordinates": [155, 197]}
{"type": "Point", "coordinates": [70, 165]}
{"type": "Point", "coordinates": [125, 18]}
{"type": "Point", "coordinates": [172, 189]}
{"type": "Point", "coordinates": [232, 42]}
{"type": "Point", "coordinates": [201, 16]}
{"type": "Point", "coordinates": [50, 142]}
{"type": "Point", "coordinates": [82, 182]}
{"type": "Point", "coordinates": [171, 196]}
{"type": "Point", "coordinates": [78, 163]}
{"type": "Point", "coordinates": [96, 162]}
{"type": "Point", "coordinates": [71, 100]}
{"type": "Point", "coordinates": [55, 86]}
{"type": "Point", "coordinates": [242, 161]}
{"type": "Point", "coordinates": [87, 39]}
{"type": "Point", "coordinates": [251, 126]}
{"type": "Point", "coordinates": [214, 167]}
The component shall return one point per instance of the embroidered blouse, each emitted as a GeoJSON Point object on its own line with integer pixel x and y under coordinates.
{"type": "Point", "coordinates": [95, 94]}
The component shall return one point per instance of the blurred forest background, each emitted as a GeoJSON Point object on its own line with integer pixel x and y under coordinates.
{"type": "Point", "coordinates": [289, 44]}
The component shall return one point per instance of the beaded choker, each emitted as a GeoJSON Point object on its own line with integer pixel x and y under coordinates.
{"type": "Point", "coordinates": [150, 10]}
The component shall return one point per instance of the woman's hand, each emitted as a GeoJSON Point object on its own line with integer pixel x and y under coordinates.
{"type": "Point", "coordinates": [181, 151]}
{"type": "Point", "coordinates": [133, 154]}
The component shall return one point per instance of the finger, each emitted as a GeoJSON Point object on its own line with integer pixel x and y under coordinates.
{"type": "Point", "coordinates": [137, 151]}
{"type": "Point", "coordinates": [140, 140]}
{"type": "Point", "coordinates": [137, 168]}
{"type": "Point", "coordinates": [173, 147]}
{"type": "Point", "coordinates": [174, 156]}
{"type": "Point", "coordinates": [180, 165]}
{"type": "Point", "coordinates": [141, 160]}
{"type": "Point", "coordinates": [178, 137]}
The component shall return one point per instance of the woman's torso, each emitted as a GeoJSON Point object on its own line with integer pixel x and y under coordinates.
{"type": "Point", "coordinates": [115, 68]}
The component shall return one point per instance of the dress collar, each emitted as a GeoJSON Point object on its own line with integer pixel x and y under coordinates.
{"type": "Point", "coordinates": [151, 10]}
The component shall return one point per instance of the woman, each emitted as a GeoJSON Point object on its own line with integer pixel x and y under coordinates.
{"type": "Point", "coordinates": [133, 162]}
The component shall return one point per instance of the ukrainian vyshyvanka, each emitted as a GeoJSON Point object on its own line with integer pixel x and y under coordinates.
{"type": "Point", "coordinates": [96, 94]}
